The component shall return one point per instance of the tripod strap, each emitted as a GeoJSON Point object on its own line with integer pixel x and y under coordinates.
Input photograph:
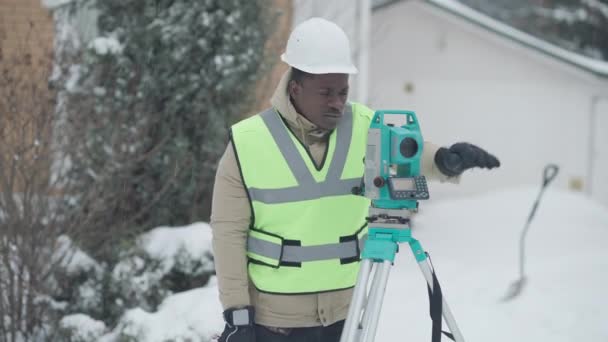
{"type": "Point", "coordinates": [436, 308]}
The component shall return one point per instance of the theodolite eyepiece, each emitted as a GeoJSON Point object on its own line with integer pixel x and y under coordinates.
{"type": "Point", "coordinates": [408, 147]}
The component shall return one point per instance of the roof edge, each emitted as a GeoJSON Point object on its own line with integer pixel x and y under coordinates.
{"type": "Point", "coordinates": [594, 66]}
{"type": "Point", "coordinates": [378, 4]}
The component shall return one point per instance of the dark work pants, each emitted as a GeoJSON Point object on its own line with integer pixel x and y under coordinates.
{"type": "Point", "coordinates": [329, 333]}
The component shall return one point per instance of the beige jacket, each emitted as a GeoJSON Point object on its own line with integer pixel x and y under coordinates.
{"type": "Point", "coordinates": [230, 220]}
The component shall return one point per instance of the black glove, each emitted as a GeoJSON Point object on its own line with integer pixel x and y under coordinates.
{"type": "Point", "coordinates": [462, 156]}
{"type": "Point", "coordinates": [239, 325]}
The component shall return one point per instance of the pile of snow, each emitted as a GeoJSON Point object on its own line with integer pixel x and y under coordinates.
{"type": "Point", "coordinates": [166, 244]}
{"type": "Point", "coordinates": [194, 315]}
{"type": "Point", "coordinates": [82, 327]}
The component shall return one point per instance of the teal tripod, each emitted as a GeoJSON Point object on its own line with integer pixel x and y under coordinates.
{"type": "Point", "coordinates": [387, 229]}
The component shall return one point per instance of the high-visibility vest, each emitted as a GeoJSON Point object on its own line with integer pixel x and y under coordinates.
{"type": "Point", "coordinates": [307, 227]}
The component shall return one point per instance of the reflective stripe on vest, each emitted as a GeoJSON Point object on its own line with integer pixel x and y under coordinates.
{"type": "Point", "coordinates": [307, 187]}
{"type": "Point", "coordinates": [277, 252]}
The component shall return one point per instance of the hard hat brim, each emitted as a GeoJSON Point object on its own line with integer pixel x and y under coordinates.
{"type": "Point", "coordinates": [326, 69]}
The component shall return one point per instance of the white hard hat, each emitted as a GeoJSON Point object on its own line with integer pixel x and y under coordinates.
{"type": "Point", "coordinates": [318, 46]}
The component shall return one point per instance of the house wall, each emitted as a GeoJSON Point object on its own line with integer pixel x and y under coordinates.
{"type": "Point", "coordinates": [599, 152]}
{"type": "Point", "coordinates": [468, 84]}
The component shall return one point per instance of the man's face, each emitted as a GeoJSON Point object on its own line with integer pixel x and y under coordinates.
{"type": "Point", "coordinates": [320, 98]}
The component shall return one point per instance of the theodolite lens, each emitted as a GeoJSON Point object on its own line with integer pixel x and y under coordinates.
{"type": "Point", "coordinates": [408, 147]}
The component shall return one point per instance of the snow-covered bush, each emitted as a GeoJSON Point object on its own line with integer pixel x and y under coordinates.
{"type": "Point", "coordinates": [78, 280]}
{"type": "Point", "coordinates": [163, 262]}
{"type": "Point", "coordinates": [193, 315]}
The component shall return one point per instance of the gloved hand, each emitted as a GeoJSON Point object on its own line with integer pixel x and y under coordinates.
{"type": "Point", "coordinates": [462, 156]}
{"type": "Point", "coordinates": [239, 325]}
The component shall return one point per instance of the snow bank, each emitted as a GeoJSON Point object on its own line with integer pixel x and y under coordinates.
{"type": "Point", "coordinates": [82, 327]}
{"type": "Point", "coordinates": [193, 315]}
{"type": "Point", "coordinates": [165, 243]}
{"type": "Point", "coordinates": [474, 247]}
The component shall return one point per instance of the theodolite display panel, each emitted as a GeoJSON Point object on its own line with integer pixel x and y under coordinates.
{"type": "Point", "coordinates": [402, 188]}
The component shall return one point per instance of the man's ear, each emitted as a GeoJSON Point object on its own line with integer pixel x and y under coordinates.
{"type": "Point", "coordinates": [293, 88]}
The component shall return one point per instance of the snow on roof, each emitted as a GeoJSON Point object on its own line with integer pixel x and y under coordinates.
{"type": "Point", "coordinates": [597, 67]}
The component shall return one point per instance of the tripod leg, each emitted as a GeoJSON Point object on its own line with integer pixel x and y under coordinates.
{"type": "Point", "coordinates": [374, 305]}
{"type": "Point", "coordinates": [351, 326]}
{"type": "Point", "coordinates": [423, 263]}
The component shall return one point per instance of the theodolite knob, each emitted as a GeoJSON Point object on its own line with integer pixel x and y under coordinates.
{"type": "Point", "coordinates": [379, 182]}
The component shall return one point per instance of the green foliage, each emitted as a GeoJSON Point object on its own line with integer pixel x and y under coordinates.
{"type": "Point", "coordinates": [168, 77]}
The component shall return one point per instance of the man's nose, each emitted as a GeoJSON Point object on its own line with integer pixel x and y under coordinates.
{"type": "Point", "coordinates": [337, 103]}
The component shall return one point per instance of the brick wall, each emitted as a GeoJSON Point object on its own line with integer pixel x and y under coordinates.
{"type": "Point", "coordinates": [25, 27]}
{"type": "Point", "coordinates": [26, 43]}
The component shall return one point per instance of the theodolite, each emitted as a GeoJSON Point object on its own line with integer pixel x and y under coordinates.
{"type": "Point", "coordinates": [393, 183]}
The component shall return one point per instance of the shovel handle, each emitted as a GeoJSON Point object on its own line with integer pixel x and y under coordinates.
{"type": "Point", "coordinates": [549, 174]}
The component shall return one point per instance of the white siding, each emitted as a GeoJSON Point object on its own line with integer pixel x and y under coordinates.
{"type": "Point", "coordinates": [599, 175]}
{"type": "Point", "coordinates": [469, 84]}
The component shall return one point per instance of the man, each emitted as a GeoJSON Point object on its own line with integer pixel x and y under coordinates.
{"type": "Point", "coordinates": [282, 201]}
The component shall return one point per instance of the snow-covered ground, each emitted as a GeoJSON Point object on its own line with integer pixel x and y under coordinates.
{"type": "Point", "coordinates": [473, 243]}
{"type": "Point", "coordinates": [474, 247]}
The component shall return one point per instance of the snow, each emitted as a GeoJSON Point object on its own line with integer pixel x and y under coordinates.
{"type": "Point", "coordinates": [597, 66]}
{"type": "Point", "coordinates": [473, 243]}
{"type": "Point", "coordinates": [52, 4]}
{"type": "Point", "coordinates": [165, 243]}
{"type": "Point", "coordinates": [105, 45]}
{"type": "Point", "coordinates": [72, 259]}
{"type": "Point", "coordinates": [193, 315]}
{"type": "Point", "coordinates": [563, 14]}
{"type": "Point", "coordinates": [85, 327]}
{"type": "Point", "coordinates": [597, 5]}
{"type": "Point", "coordinates": [474, 247]}
{"type": "Point", "coordinates": [74, 73]}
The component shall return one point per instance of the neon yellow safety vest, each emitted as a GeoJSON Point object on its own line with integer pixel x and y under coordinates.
{"type": "Point", "coordinates": [307, 227]}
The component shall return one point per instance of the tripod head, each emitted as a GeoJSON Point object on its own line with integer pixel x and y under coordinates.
{"type": "Point", "coordinates": [392, 177]}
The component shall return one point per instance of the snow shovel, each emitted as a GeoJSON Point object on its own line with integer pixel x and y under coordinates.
{"type": "Point", "coordinates": [516, 287]}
